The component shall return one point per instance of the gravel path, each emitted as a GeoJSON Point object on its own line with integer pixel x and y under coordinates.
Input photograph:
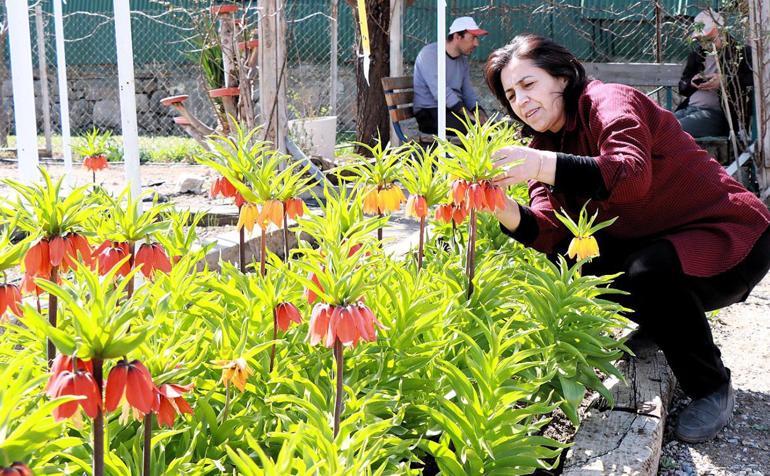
{"type": "Point", "coordinates": [742, 332]}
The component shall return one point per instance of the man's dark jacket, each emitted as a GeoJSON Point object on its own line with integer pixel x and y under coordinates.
{"type": "Point", "coordinates": [735, 64]}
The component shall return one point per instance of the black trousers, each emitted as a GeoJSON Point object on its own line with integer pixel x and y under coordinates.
{"type": "Point", "coordinates": [427, 121]}
{"type": "Point", "coordinates": [670, 306]}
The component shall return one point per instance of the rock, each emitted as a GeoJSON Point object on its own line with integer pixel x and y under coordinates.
{"type": "Point", "coordinates": [80, 114]}
{"type": "Point", "coordinates": [161, 198]}
{"type": "Point", "coordinates": [733, 441]}
{"type": "Point", "coordinates": [155, 105]}
{"type": "Point", "coordinates": [101, 89]}
{"type": "Point", "coordinates": [106, 114]}
{"type": "Point", "coordinates": [190, 184]}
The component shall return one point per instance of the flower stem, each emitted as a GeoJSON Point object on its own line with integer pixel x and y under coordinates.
{"type": "Point", "coordinates": [130, 287]}
{"type": "Point", "coordinates": [471, 257]}
{"type": "Point", "coordinates": [98, 422]}
{"type": "Point", "coordinates": [93, 176]}
{"type": "Point", "coordinates": [275, 336]}
{"type": "Point", "coordinates": [262, 250]}
{"type": "Point", "coordinates": [421, 248]}
{"type": "Point", "coordinates": [285, 235]}
{"type": "Point", "coordinates": [379, 231]}
{"type": "Point", "coordinates": [227, 402]}
{"type": "Point", "coordinates": [338, 356]}
{"type": "Point", "coordinates": [241, 247]}
{"type": "Point", "coordinates": [146, 459]}
{"type": "Point", "coordinates": [52, 308]}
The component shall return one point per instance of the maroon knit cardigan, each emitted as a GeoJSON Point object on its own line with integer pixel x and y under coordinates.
{"type": "Point", "coordinates": [660, 183]}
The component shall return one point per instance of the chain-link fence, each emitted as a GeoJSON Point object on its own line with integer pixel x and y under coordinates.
{"type": "Point", "coordinates": [166, 62]}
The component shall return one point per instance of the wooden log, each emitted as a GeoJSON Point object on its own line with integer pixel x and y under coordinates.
{"type": "Point", "coordinates": [627, 438]}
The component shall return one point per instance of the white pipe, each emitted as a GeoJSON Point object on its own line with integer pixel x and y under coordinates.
{"type": "Point", "coordinates": [23, 90]}
{"type": "Point", "coordinates": [396, 46]}
{"type": "Point", "coordinates": [441, 45]}
{"type": "Point", "coordinates": [42, 67]}
{"type": "Point", "coordinates": [130, 132]}
{"type": "Point", "coordinates": [64, 101]}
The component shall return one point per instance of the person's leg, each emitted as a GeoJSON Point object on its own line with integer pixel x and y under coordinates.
{"type": "Point", "coordinates": [700, 122]}
{"type": "Point", "coordinates": [427, 120]}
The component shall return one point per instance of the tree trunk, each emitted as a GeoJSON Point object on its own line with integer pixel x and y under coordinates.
{"type": "Point", "coordinates": [371, 116]}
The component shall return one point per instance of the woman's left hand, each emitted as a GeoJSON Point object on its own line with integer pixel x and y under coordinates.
{"type": "Point", "coordinates": [521, 164]}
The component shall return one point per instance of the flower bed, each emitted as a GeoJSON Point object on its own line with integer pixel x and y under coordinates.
{"type": "Point", "coordinates": [338, 360]}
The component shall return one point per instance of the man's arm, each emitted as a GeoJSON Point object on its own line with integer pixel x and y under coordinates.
{"type": "Point", "coordinates": [686, 87]}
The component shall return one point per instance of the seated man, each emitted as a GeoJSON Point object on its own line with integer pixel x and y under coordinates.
{"type": "Point", "coordinates": [701, 113]}
{"type": "Point", "coordinates": [460, 96]}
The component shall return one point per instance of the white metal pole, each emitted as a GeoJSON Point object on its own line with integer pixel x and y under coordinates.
{"type": "Point", "coordinates": [23, 92]}
{"type": "Point", "coordinates": [130, 132]}
{"type": "Point", "coordinates": [441, 45]}
{"type": "Point", "coordinates": [42, 67]}
{"type": "Point", "coordinates": [396, 46]}
{"type": "Point", "coordinates": [333, 53]}
{"type": "Point", "coordinates": [64, 104]}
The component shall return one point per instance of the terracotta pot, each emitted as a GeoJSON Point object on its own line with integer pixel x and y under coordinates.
{"type": "Point", "coordinates": [223, 92]}
{"type": "Point", "coordinates": [182, 121]}
{"type": "Point", "coordinates": [251, 44]}
{"type": "Point", "coordinates": [171, 100]}
{"type": "Point", "coordinates": [223, 9]}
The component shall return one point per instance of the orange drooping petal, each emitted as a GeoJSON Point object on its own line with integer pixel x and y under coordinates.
{"type": "Point", "coordinates": [79, 383]}
{"type": "Point", "coordinates": [319, 323]}
{"type": "Point", "coordinates": [28, 285]}
{"type": "Point", "coordinates": [77, 251]}
{"type": "Point", "coordinates": [285, 314]}
{"type": "Point", "coordinates": [370, 202]}
{"type": "Point", "coordinates": [56, 250]}
{"type": "Point", "coordinates": [169, 402]}
{"type": "Point", "coordinates": [459, 187]}
{"type": "Point", "coordinates": [130, 382]}
{"type": "Point", "coordinates": [109, 254]}
{"type": "Point", "coordinates": [272, 212]}
{"type": "Point", "coordinates": [476, 198]}
{"type": "Point", "coordinates": [37, 260]}
{"type": "Point", "coordinates": [162, 263]}
{"type": "Point", "coordinates": [10, 300]}
{"type": "Point", "coordinates": [236, 371]}
{"type": "Point", "coordinates": [16, 469]}
{"type": "Point", "coordinates": [295, 207]}
{"type": "Point", "coordinates": [459, 212]}
{"type": "Point", "coordinates": [63, 362]}
{"type": "Point", "coordinates": [444, 213]}
{"type": "Point", "coordinates": [310, 294]}
{"type": "Point", "coordinates": [416, 206]}
{"type": "Point", "coordinates": [151, 257]}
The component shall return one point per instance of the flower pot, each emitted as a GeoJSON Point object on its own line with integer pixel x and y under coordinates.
{"type": "Point", "coordinates": [223, 92]}
{"type": "Point", "coordinates": [315, 135]}
{"type": "Point", "coordinates": [171, 100]}
{"type": "Point", "coordinates": [223, 9]}
{"type": "Point", "coordinates": [250, 45]}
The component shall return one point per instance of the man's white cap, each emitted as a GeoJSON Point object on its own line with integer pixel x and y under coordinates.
{"type": "Point", "coordinates": [466, 24]}
{"type": "Point", "coordinates": [705, 22]}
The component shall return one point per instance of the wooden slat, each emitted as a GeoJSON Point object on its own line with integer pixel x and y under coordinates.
{"type": "Point", "coordinates": [636, 74]}
{"type": "Point", "coordinates": [397, 115]}
{"type": "Point", "coordinates": [398, 99]}
{"type": "Point", "coordinates": [397, 82]}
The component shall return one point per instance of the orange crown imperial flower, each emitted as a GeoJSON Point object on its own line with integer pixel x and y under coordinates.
{"type": "Point", "coordinates": [349, 324]}
{"type": "Point", "coordinates": [271, 212]}
{"type": "Point", "coordinates": [79, 383]}
{"type": "Point", "coordinates": [448, 213]}
{"type": "Point", "coordinates": [16, 469]}
{"type": "Point", "coordinates": [248, 216]}
{"type": "Point", "coordinates": [152, 257]}
{"type": "Point", "coordinates": [10, 300]}
{"type": "Point", "coordinates": [130, 386]}
{"type": "Point", "coordinates": [37, 260]}
{"type": "Point", "coordinates": [285, 314]}
{"type": "Point", "coordinates": [236, 371]}
{"type": "Point", "coordinates": [109, 254]}
{"type": "Point", "coordinates": [95, 162]}
{"type": "Point", "coordinates": [169, 403]}
{"type": "Point", "coordinates": [62, 363]}
{"type": "Point", "coordinates": [295, 207]}
{"type": "Point", "coordinates": [417, 206]}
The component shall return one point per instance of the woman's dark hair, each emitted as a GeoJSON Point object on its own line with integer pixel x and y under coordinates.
{"type": "Point", "coordinates": [546, 54]}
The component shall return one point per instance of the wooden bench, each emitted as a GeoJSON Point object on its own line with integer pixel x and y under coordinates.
{"type": "Point", "coordinates": [660, 78]}
{"type": "Point", "coordinates": [399, 97]}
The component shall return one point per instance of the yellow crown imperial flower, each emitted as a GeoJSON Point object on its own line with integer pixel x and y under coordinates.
{"type": "Point", "coordinates": [583, 247]}
{"type": "Point", "coordinates": [248, 217]}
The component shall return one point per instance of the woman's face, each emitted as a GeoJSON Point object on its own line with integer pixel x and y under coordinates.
{"type": "Point", "coordinates": [534, 95]}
